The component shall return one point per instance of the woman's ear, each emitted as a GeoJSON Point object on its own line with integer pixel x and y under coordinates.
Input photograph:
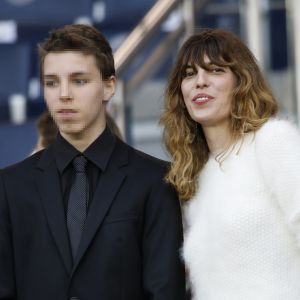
{"type": "Point", "coordinates": [109, 88]}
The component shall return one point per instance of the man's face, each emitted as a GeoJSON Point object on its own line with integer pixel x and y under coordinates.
{"type": "Point", "coordinates": [76, 94]}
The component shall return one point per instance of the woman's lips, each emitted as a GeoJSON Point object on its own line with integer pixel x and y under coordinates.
{"type": "Point", "coordinates": [202, 99]}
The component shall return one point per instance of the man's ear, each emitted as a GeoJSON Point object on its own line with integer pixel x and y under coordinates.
{"type": "Point", "coordinates": [109, 87]}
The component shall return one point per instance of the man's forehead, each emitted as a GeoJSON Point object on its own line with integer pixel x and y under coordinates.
{"type": "Point", "coordinates": [69, 62]}
{"type": "Point", "coordinates": [72, 55]}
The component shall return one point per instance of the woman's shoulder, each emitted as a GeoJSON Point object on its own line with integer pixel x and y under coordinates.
{"type": "Point", "coordinates": [278, 130]}
{"type": "Point", "coordinates": [277, 139]}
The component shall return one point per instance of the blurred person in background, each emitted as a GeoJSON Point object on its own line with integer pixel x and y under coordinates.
{"type": "Point", "coordinates": [89, 217]}
{"type": "Point", "coordinates": [236, 168]}
{"type": "Point", "coordinates": [47, 131]}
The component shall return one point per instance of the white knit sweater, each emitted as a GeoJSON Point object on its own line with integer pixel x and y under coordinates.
{"type": "Point", "coordinates": [243, 226]}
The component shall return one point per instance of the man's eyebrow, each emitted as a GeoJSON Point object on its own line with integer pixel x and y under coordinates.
{"type": "Point", "coordinates": [49, 75]}
{"type": "Point", "coordinates": [80, 73]}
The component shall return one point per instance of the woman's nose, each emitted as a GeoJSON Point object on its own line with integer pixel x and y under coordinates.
{"type": "Point", "coordinates": [202, 79]}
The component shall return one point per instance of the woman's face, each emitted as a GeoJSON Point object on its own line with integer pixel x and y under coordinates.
{"type": "Point", "coordinates": [208, 93]}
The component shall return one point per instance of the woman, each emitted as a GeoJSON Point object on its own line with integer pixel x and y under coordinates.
{"type": "Point", "coordinates": [238, 168]}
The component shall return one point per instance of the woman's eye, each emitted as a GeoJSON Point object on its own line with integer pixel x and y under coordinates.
{"type": "Point", "coordinates": [188, 73]}
{"type": "Point", "coordinates": [217, 69]}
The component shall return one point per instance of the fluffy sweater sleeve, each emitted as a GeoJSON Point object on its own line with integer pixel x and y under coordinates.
{"type": "Point", "coordinates": [278, 154]}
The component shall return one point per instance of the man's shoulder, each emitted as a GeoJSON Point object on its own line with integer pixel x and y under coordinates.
{"type": "Point", "coordinates": [148, 159]}
{"type": "Point", "coordinates": [143, 160]}
{"type": "Point", "coordinates": [25, 166]}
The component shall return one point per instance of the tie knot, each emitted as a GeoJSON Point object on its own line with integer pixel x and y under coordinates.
{"type": "Point", "coordinates": [80, 163]}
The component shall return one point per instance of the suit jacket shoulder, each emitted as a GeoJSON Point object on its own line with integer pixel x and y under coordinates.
{"type": "Point", "coordinates": [24, 166]}
{"type": "Point", "coordinates": [142, 161]}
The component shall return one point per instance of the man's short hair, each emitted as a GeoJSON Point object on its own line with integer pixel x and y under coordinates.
{"type": "Point", "coordinates": [84, 39]}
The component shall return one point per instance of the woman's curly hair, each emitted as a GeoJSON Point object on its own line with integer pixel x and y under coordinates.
{"type": "Point", "coordinates": [253, 103]}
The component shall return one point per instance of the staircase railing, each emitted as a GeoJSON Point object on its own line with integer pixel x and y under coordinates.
{"type": "Point", "coordinates": [136, 41]}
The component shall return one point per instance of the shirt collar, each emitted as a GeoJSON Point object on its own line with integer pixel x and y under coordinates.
{"type": "Point", "coordinates": [98, 152]}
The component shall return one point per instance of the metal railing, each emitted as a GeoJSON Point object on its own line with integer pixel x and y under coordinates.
{"type": "Point", "coordinates": [136, 41]}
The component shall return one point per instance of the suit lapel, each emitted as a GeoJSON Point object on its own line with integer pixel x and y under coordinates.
{"type": "Point", "coordinates": [49, 188]}
{"type": "Point", "coordinates": [108, 186]}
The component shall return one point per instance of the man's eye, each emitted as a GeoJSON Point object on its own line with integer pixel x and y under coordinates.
{"type": "Point", "coordinates": [80, 81]}
{"type": "Point", "coordinates": [50, 83]}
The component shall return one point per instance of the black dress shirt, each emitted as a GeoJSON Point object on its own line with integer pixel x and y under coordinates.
{"type": "Point", "coordinates": [97, 154]}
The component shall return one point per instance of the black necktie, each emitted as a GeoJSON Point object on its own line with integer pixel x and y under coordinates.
{"type": "Point", "coordinates": [77, 204]}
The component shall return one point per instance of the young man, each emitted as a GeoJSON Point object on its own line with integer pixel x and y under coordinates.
{"type": "Point", "coordinates": [89, 217]}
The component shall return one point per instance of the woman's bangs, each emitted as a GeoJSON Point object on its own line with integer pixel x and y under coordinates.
{"type": "Point", "coordinates": [210, 49]}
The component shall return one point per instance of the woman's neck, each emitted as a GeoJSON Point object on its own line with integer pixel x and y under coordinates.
{"type": "Point", "coordinates": [218, 138]}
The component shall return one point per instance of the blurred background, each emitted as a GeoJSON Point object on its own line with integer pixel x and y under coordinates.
{"type": "Point", "coordinates": [145, 35]}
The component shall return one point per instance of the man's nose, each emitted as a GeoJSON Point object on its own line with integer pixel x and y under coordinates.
{"type": "Point", "coordinates": [65, 92]}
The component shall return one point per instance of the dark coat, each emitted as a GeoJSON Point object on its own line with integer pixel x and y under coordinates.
{"type": "Point", "coordinates": [130, 245]}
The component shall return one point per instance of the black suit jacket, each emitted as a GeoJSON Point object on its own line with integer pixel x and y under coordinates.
{"type": "Point", "coordinates": [130, 245]}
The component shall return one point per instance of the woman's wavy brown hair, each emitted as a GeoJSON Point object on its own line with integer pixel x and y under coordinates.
{"type": "Point", "coordinates": [253, 103]}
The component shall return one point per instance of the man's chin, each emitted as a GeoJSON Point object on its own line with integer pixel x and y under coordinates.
{"type": "Point", "coordinates": [70, 130]}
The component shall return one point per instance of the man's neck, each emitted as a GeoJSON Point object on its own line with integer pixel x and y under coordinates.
{"type": "Point", "coordinates": [82, 141]}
